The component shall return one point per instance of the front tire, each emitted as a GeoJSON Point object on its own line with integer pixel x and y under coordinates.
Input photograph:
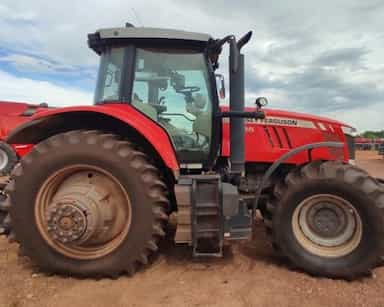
{"type": "Point", "coordinates": [88, 204]}
{"type": "Point", "coordinates": [328, 219]}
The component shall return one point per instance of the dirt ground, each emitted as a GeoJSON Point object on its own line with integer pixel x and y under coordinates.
{"type": "Point", "coordinates": [248, 275]}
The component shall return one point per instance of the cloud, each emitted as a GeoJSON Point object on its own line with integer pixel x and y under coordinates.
{"type": "Point", "coordinates": [28, 90]}
{"type": "Point", "coordinates": [26, 63]}
{"type": "Point", "coordinates": [350, 57]}
{"type": "Point", "coordinates": [304, 55]}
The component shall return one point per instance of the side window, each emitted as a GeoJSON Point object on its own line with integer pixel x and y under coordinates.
{"type": "Point", "coordinates": [110, 75]}
{"type": "Point", "coordinates": [173, 89]}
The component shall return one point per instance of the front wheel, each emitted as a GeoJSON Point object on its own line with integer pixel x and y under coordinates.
{"type": "Point", "coordinates": [328, 219]}
{"type": "Point", "coordinates": [86, 203]}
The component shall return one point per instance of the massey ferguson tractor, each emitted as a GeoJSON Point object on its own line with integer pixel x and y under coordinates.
{"type": "Point", "coordinates": [94, 195]}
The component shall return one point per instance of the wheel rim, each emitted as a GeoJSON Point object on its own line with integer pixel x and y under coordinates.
{"type": "Point", "coordinates": [327, 225]}
{"type": "Point", "coordinates": [3, 159]}
{"type": "Point", "coordinates": [83, 212]}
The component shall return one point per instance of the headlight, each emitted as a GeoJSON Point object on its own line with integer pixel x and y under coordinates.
{"type": "Point", "coordinates": [349, 131]}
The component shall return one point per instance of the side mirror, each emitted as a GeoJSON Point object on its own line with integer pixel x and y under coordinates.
{"type": "Point", "coordinates": [261, 102]}
{"type": "Point", "coordinates": [220, 85]}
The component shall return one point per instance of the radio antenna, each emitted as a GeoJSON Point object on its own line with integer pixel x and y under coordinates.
{"type": "Point", "coordinates": [137, 17]}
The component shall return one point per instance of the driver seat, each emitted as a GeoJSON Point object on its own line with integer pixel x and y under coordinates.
{"type": "Point", "coordinates": [144, 107]}
{"type": "Point", "coordinates": [202, 123]}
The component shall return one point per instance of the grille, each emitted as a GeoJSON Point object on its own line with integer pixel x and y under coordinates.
{"type": "Point", "coordinates": [278, 137]}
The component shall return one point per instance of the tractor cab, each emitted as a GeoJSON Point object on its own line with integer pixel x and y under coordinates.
{"type": "Point", "coordinates": [168, 76]}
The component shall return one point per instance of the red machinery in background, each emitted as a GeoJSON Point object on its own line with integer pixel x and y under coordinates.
{"type": "Point", "coordinates": [13, 114]}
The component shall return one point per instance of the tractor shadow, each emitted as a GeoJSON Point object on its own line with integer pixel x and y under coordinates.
{"type": "Point", "coordinates": [182, 254]}
{"type": "Point", "coordinates": [258, 250]}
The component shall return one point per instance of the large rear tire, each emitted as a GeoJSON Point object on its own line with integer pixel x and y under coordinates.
{"type": "Point", "coordinates": [328, 219]}
{"type": "Point", "coordinates": [88, 204]}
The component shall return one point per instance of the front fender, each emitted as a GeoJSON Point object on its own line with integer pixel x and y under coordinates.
{"type": "Point", "coordinates": [46, 123]}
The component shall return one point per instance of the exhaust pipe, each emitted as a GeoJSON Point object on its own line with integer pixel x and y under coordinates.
{"type": "Point", "coordinates": [236, 124]}
{"type": "Point", "coordinates": [236, 112]}
{"type": "Point", "coordinates": [237, 104]}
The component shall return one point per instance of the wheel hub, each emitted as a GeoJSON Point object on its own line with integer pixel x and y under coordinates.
{"type": "Point", "coordinates": [67, 223]}
{"type": "Point", "coordinates": [83, 212]}
{"type": "Point", "coordinates": [327, 225]}
{"type": "Point", "coordinates": [326, 220]}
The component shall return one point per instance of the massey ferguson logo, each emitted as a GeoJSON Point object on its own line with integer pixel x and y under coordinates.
{"type": "Point", "coordinates": [282, 121]}
{"type": "Point", "coordinates": [279, 121]}
{"type": "Point", "coordinates": [276, 121]}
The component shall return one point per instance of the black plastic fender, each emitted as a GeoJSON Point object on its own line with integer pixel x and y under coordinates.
{"type": "Point", "coordinates": [285, 157]}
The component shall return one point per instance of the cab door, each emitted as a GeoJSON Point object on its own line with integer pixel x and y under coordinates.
{"type": "Point", "coordinates": [173, 88]}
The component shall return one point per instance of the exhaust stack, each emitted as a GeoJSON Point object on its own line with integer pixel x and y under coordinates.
{"type": "Point", "coordinates": [236, 124]}
{"type": "Point", "coordinates": [237, 104]}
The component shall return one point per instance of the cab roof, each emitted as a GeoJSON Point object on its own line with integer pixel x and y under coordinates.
{"type": "Point", "coordinates": [103, 38]}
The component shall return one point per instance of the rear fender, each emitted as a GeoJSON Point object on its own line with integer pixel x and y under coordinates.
{"type": "Point", "coordinates": [120, 119]}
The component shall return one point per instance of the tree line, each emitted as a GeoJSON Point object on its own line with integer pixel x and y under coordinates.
{"type": "Point", "coordinates": [373, 134]}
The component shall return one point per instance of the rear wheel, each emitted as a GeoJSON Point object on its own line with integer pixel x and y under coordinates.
{"type": "Point", "coordinates": [85, 203]}
{"type": "Point", "coordinates": [328, 219]}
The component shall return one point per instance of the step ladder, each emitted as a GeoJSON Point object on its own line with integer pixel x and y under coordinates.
{"type": "Point", "coordinates": [207, 216]}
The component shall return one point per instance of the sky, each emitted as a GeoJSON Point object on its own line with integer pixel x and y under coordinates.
{"type": "Point", "coordinates": [321, 57]}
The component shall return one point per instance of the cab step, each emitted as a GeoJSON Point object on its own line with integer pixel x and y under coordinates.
{"type": "Point", "coordinates": [207, 217]}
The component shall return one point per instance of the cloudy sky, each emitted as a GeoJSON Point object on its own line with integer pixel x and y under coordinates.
{"type": "Point", "coordinates": [323, 57]}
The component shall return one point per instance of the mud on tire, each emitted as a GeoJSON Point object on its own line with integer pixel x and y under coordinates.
{"type": "Point", "coordinates": [138, 178]}
{"type": "Point", "coordinates": [346, 195]}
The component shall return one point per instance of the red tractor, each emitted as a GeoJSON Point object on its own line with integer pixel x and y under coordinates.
{"type": "Point", "coordinates": [12, 114]}
{"type": "Point", "coordinates": [94, 195]}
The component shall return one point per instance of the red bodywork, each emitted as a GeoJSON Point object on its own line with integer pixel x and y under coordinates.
{"type": "Point", "coordinates": [11, 116]}
{"type": "Point", "coordinates": [151, 131]}
{"type": "Point", "coordinates": [266, 140]}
